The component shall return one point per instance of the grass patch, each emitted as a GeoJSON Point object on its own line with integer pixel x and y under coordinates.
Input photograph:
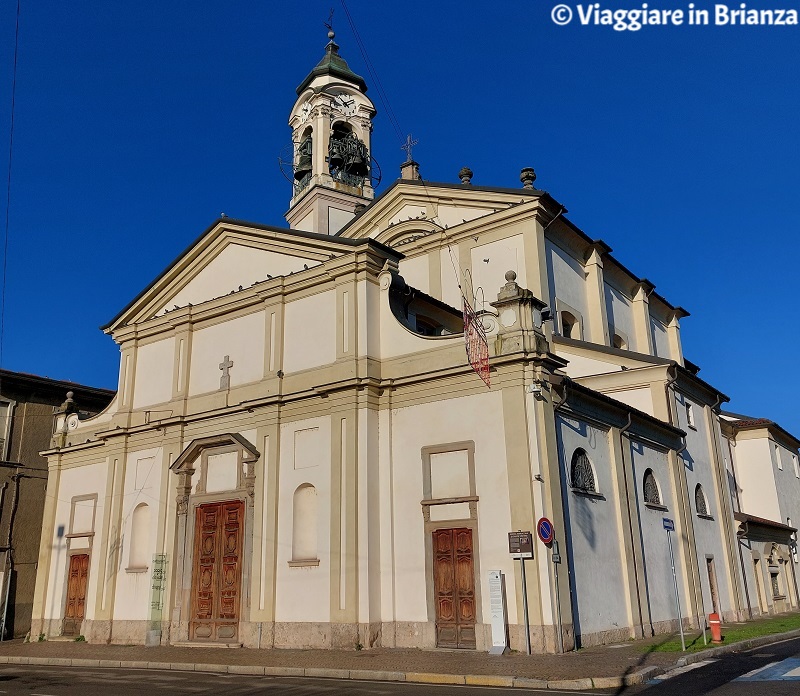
{"type": "Point", "coordinates": [731, 633]}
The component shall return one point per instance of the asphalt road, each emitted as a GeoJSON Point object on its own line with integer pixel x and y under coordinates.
{"type": "Point", "coordinates": [74, 681]}
{"type": "Point", "coordinates": [771, 670]}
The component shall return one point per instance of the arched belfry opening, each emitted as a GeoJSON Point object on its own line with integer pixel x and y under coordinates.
{"type": "Point", "coordinates": [303, 158]}
{"type": "Point", "coordinates": [331, 124]}
{"type": "Point", "coordinates": [348, 157]}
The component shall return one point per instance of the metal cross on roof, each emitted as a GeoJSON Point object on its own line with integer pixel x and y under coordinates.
{"type": "Point", "coordinates": [409, 143]}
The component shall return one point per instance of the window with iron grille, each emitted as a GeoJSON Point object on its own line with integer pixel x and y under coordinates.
{"type": "Point", "coordinates": [700, 501]}
{"type": "Point", "coordinates": [651, 493]}
{"type": "Point", "coordinates": [581, 472]}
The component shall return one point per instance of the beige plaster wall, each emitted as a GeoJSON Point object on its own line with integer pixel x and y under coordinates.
{"type": "Point", "coordinates": [309, 332]}
{"type": "Point", "coordinates": [491, 261]}
{"type": "Point", "coordinates": [756, 479]}
{"type": "Point", "coordinates": [143, 475]}
{"type": "Point", "coordinates": [85, 480]}
{"type": "Point", "coordinates": [241, 338]}
{"type": "Point", "coordinates": [154, 373]}
{"type": "Point", "coordinates": [303, 592]}
{"type": "Point", "coordinates": [477, 418]}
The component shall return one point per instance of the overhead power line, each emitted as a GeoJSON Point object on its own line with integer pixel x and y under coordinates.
{"type": "Point", "coordinates": [8, 184]}
{"type": "Point", "coordinates": [374, 75]}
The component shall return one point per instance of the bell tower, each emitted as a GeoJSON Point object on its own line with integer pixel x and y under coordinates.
{"type": "Point", "coordinates": [331, 124]}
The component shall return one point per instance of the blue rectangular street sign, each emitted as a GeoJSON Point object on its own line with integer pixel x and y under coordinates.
{"type": "Point", "coordinates": [669, 524]}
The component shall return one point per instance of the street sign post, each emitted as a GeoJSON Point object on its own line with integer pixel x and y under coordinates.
{"type": "Point", "coordinates": [669, 526]}
{"type": "Point", "coordinates": [547, 535]}
{"type": "Point", "coordinates": [520, 545]}
{"type": "Point", "coordinates": [545, 530]}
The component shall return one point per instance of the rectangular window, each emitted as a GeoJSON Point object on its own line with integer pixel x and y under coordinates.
{"type": "Point", "coordinates": [778, 457]}
{"type": "Point", "coordinates": [776, 589]}
{"type": "Point", "coordinates": [5, 413]}
{"type": "Point", "coordinates": [796, 466]}
{"type": "Point", "coordinates": [690, 415]}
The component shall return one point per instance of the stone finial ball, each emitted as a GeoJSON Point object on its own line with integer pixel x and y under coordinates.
{"type": "Point", "coordinates": [511, 276]}
{"type": "Point", "coordinates": [331, 34]}
{"type": "Point", "coordinates": [70, 395]}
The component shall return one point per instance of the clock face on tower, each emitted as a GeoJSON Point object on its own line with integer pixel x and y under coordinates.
{"type": "Point", "coordinates": [344, 103]}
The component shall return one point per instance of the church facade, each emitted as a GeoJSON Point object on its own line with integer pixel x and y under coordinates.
{"type": "Point", "coordinates": [299, 453]}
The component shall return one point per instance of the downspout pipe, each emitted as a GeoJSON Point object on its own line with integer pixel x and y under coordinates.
{"type": "Point", "coordinates": [622, 432]}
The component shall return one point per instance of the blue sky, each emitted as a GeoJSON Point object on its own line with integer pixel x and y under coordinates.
{"type": "Point", "coordinates": [138, 123]}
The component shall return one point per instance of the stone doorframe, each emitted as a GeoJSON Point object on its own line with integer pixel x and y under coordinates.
{"type": "Point", "coordinates": [193, 456]}
{"type": "Point", "coordinates": [469, 521]}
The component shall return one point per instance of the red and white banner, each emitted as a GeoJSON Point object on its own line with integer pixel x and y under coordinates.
{"type": "Point", "coordinates": [476, 342]}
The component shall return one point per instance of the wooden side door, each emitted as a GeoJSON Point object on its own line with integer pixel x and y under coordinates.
{"type": "Point", "coordinates": [77, 581]}
{"type": "Point", "coordinates": [216, 575]}
{"type": "Point", "coordinates": [454, 588]}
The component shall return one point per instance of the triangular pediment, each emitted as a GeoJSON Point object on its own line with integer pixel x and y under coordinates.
{"type": "Point", "coordinates": [410, 207]}
{"type": "Point", "coordinates": [228, 257]}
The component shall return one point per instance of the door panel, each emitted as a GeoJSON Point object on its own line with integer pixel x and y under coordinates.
{"type": "Point", "coordinates": [76, 594]}
{"type": "Point", "coordinates": [216, 577]}
{"type": "Point", "coordinates": [454, 588]}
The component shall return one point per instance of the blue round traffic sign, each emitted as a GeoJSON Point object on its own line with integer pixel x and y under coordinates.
{"type": "Point", "coordinates": [545, 530]}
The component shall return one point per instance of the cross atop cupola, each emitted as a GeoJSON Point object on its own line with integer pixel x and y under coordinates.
{"type": "Point", "coordinates": [331, 124]}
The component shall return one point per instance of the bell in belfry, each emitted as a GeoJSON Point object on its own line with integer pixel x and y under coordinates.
{"type": "Point", "coordinates": [335, 158]}
{"type": "Point", "coordinates": [303, 159]}
{"type": "Point", "coordinates": [357, 165]}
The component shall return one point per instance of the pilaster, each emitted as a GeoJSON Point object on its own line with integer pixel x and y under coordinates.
{"type": "Point", "coordinates": [674, 335]}
{"type": "Point", "coordinates": [596, 295]}
{"type": "Point", "coordinates": [40, 614]}
{"type": "Point", "coordinates": [643, 336]}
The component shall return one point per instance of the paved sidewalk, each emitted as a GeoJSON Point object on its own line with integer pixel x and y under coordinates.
{"type": "Point", "coordinates": [598, 667]}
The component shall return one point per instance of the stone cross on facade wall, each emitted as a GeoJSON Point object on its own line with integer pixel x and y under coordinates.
{"type": "Point", "coordinates": [225, 366]}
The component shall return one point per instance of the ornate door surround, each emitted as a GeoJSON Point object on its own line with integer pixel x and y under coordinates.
{"type": "Point", "coordinates": [192, 498]}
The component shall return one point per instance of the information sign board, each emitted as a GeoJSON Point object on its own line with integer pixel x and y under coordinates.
{"type": "Point", "coordinates": [520, 544]}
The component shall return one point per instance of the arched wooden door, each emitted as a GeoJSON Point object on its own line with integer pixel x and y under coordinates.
{"type": "Point", "coordinates": [217, 572]}
{"type": "Point", "coordinates": [454, 588]}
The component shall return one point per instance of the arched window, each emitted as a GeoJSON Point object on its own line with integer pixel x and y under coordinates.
{"type": "Point", "coordinates": [569, 325]}
{"type": "Point", "coordinates": [700, 500]}
{"type": "Point", "coordinates": [140, 537]}
{"type": "Point", "coordinates": [651, 492]}
{"type": "Point", "coordinates": [304, 523]}
{"type": "Point", "coordinates": [581, 472]}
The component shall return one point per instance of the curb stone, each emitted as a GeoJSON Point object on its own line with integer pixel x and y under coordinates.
{"type": "Point", "coordinates": [570, 684]}
{"type": "Point", "coordinates": [639, 677]}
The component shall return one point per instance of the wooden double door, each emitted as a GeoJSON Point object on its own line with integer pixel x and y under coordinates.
{"type": "Point", "coordinates": [77, 582]}
{"type": "Point", "coordinates": [454, 588]}
{"type": "Point", "coordinates": [217, 572]}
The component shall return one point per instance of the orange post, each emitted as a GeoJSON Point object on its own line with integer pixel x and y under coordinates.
{"type": "Point", "coordinates": [716, 627]}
